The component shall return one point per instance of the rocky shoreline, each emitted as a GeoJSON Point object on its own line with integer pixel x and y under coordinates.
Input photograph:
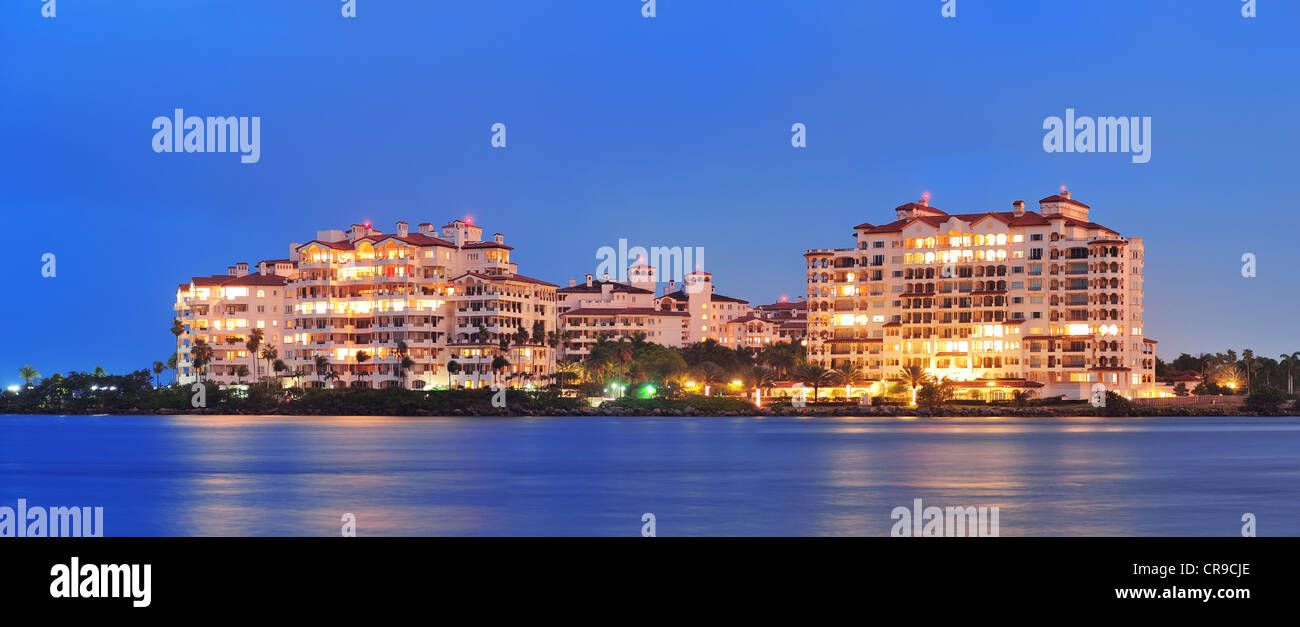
{"type": "Point", "coordinates": [887, 411]}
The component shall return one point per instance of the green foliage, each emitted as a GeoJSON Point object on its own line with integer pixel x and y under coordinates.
{"type": "Point", "coordinates": [1265, 399]}
{"type": "Point", "coordinates": [1116, 406]}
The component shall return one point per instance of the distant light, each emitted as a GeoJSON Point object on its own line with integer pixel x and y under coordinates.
{"type": "Point", "coordinates": [784, 298]}
{"type": "Point", "coordinates": [469, 219]}
{"type": "Point", "coordinates": [366, 224]}
{"type": "Point", "coordinates": [1062, 188]}
{"type": "Point", "coordinates": [14, 389]}
{"type": "Point", "coordinates": [925, 195]}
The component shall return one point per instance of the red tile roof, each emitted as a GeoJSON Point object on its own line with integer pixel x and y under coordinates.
{"type": "Point", "coordinates": [626, 311]}
{"type": "Point", "coordinates": [595, 288]}
{"type": "Point", "coordinates": [486, 245]}
{"type": "Point", "coordinates": [504, 277]}
{"type": "Point", "coordinates": [717, 298]}
{"type": "Point", "coordinates": [1060, 198]}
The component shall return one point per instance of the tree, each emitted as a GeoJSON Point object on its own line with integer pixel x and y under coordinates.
{"type": "Point", "coordinates": [270, 354]}
{"type": "Point", "coordinates": [322, 365]}
{"type": "Point", "coordinates": [158, 368]}
{"type": "Point", "coordinates": [254, 341]}
{"type": "Point", "coordinates": [1021, 397]}
{"type": "Point", "coordinates": [621, 354]}
{"type": "Point", "coordinates": [241, 372]}
{"type": "Point", "coordinates": [847, 376]}
{"type": "Point", "coordinates": [362, 358]}
{"type": "Point", "coordinates": [538, 339]}
{"type": "Point", "coordinates": [201, 357]}
{"type": "Point", "coordinates": [764, 379]}
{"type": "Point", "coordinates": [453, 367]}
{"type": "Point", "coordinates": [565, 371]}
{"type": "Point", "coordinates": [935, 392]}
{"type": "Point", "coordinates": [710, 374]}
{"type": "Point", "coordinates": [99, 372]}
{"type": "Point", "coordinates": [913, 377]}
{"type": "Point", "coordinates": [1265, 399]}
{"type": "Point", "coordinates": [1288, 363]}
{"type": "Point", "coordinates": [174, 363]}
{"type": "Point", "coordinates": [28, 373]}
{"type": "Point", "coordinates": [499, 363]}
{"type": "Point", "coordinates": [405, 362]}
{"type": "Point", "coordinates": [278, 366]}
{"type": "Point", "coordinates": [814, 375]}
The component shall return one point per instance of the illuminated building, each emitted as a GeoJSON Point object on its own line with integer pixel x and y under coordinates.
{"type": "Point", "coordinates": [1003, 300]}
{"type": "Point", "coordinates": [351, 297]}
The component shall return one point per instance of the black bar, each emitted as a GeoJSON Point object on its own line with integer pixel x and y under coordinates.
{"type": "Point", "coordinates": [444, 577]}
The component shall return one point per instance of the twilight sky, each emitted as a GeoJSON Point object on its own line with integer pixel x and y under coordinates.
{"type": "Point", "coordinates": [670, 131]}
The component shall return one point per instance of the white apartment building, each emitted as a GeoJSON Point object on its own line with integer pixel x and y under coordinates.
{"type": "Point", "coordinates": [616, 309]}
{"type": "Point", "coordinates": [781, 321]}
{"type": "Point", "coordinates": [351, 296]}
{"type": "Point", "coordinates": [998, 301]}
{"type": "Point", "coordinates": [709, 311]}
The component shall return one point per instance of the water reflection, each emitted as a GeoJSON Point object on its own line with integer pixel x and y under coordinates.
{"type": "Point", "coordinates": [278, 476]}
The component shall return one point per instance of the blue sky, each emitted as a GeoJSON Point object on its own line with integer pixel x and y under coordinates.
{"type": "Point", "coordinates": [666, 131]}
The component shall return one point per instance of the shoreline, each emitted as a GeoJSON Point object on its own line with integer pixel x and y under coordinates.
{"type": "Point", "coordinates": [690, 412]}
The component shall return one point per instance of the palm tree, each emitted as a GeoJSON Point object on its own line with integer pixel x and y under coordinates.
{"type": "Point", "coordinates": [158, 368]}
{"type": "Point", "coordinates": [847, 376]}
{"type": "Point", "coordinates": [278, 366]}
{"type": "Point", "coordinates": [565, 371]}
{"type": "Point", "coordinates": [710, 373]}
{"type": "Point", "coordinates": [405, 362]}
{"type": "Point", "coordinates": [913, 377]}
{"type": "Point", "coordinates": [362, 358]}
{"type": "Point", "coordinates": [538, 339]}
{"type": "Point", "coordinates": [200, 357]}
{"type": "Point", "coordinates": [814, 375]}
{"type": "Point", "coordinates": [453, 367]}
{"type": "Point", "coordinates": [270, 354]}
{"type": "Point", "coordinates": [241, 372]}
{"type": "Point", "coordinates": [174, 364]}
{"type": "Point", "coordinates": [1289, 363]}
{"type": "Point", "coordinates": [322, 365]}
{"type": "Point", "coordinates": [177, 329]}
{"type": "Point", "coordinates": [499, 363]}
{"type": "Point", "coordinates": [764, 379]}
{"type": "Point", "coordinates": [28, 373]}
{"type": "Point", "coordinates": [254, 341]}
{"type": "Point", "coordinates": [99, 372]}
{"type": "Point", "coordinates": [1021, 397]}
{"type": "Point", "coordinates": [622, 355]}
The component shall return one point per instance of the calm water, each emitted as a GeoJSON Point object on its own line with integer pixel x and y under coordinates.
{"type": "Point", "coordinates": [231, 475]}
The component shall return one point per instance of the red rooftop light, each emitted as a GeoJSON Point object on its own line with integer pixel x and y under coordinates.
{"type": "Point", "coordinates": [925, 195]}
{"type": "Point", "coordinates": [1062, 188]}
{"type": "Point", "coordinates": [366, 224]}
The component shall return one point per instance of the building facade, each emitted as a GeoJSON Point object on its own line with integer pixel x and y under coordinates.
{"type": "Point", "coordinates": [616, 309]}
{"type": "Point", "coordinates": [364, 301]}
{"type": "Point", "coordinates": [1042, 300]}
